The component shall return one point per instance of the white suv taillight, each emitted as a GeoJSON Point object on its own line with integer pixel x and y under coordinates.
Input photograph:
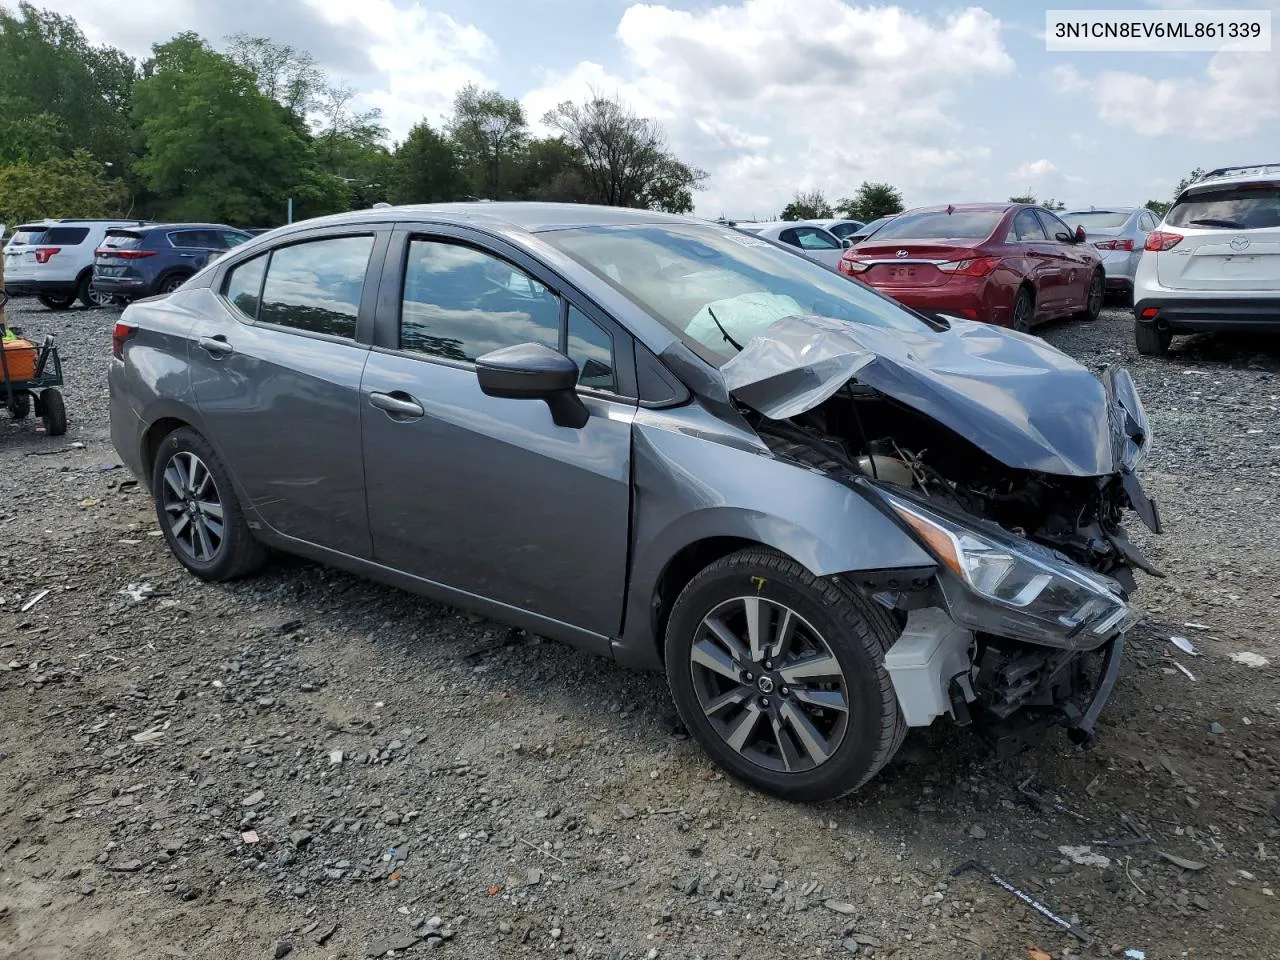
{"type": "Point", "coordinates": [1158, 241]}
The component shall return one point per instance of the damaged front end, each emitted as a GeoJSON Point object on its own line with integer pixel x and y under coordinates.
{"type": "Point", "coordinates": [1012, 465]}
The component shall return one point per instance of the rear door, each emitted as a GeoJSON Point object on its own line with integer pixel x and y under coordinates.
{"type": "Point", "coordinates": [197, 247]}
{"type": "Point", "coordinates": [485, 495]}
{"type": "Point", "coordinates": [817, 244]}
{"type": "Point", "coordinates": [1028, 241]}
{"type": "Point", "coordinates": [276, 369]}
{"type": "Point", "coordinates": [1231, 239]}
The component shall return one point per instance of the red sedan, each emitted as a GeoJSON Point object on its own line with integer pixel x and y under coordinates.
{"type": "Point", "coordinates": [1011, 264]}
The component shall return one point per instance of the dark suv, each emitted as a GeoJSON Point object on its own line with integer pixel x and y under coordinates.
{"type": "Point", "coordinates": [139, 262]}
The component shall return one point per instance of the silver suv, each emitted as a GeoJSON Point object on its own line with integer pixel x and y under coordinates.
{"type": "Point", "coordinates": [53, 260]}
{"type": "Point", "coordinates": [1214, 263]}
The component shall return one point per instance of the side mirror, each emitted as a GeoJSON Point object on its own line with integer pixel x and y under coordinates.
{"type": "Point", "coordinates": [1079, 234]}
{"type": "Point", "coordinates": [1063, 237]}
{"type": "Point", "coordinates": [532, 371]}
{"type": "Point", "coordinates": [846, 243]}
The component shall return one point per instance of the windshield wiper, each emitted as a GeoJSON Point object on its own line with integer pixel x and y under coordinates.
{"type": "Point", "coordinates": [1211, 222]}
{"type": "Point", "coordinates": [723, 332]}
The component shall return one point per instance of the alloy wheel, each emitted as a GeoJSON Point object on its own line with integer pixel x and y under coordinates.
{"type": "Point", "coordinates": [99, 299]}
{"type": "Point", "coordinates": [1095, 295]}
{"type": "Point", "coordinates": [193, 507]}
{"type": "Point", "coordinates": [769, 684]}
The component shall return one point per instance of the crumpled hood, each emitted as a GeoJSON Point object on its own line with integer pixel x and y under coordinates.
{"type": "Point", "coordinates": [1025, 403]}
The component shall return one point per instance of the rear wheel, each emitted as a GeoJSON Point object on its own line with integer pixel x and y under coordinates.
{"type": "Point", "coordinates": [1094, 297]}
{"type": "Point", "coordinates": [780, 676]}
{"type": "Point", "coordinates": [1151, 342]}
{"type": "Point", "coordinates": [20, 406]}
{"type": "Point", "coordinates": [89, 295]}
{"type": "Point", "coordinates": [198, 512]}
{"type": "Point", "coordinates": [172, 283]}
{"type": "Point", "coordinates": [1023, 310]}
{"type": "Point", "coordinates": [57, 302]}
{"type": "Point", "coordinates": [53, 412]}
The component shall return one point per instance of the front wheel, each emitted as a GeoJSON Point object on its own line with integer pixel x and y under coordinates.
{"type": "Point", "coordinates": [780, 676]}
{"type": "Point", "coordinates": [1094, 297]}
{"type": "Point", "coordinates": [198, 512]}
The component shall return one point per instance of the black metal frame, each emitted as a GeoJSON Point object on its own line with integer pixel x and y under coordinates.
{"type": "Point", "coordinates": [48, 351]}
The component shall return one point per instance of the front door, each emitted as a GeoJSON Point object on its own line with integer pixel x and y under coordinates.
{"type": "Point", "coordinates": [484, 495]}
{"type": "Point", "coordinates": [276, 368]}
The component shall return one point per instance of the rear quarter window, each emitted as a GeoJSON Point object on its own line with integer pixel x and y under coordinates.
{"type": "Point", "coordinates": [65, 236]}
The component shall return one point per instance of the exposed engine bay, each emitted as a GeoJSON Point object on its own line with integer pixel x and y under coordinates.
{"type": "Point", "coordinates": [860, 430]}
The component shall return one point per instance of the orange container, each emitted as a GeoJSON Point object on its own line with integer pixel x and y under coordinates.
{"type": "Point", "coordinates": [20, 359]}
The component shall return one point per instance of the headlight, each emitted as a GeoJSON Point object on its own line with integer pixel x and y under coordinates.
{"type": "Point", "coordinates": [1016, 588]}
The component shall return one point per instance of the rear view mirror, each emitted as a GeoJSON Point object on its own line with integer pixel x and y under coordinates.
{"type": "Point", "coordinates": [533, 371]}
{"type": "Point", "coordinates": [1079, 234]}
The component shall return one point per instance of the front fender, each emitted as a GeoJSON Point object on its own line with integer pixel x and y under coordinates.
{"type": "Point", "coordinates": [692, 486]}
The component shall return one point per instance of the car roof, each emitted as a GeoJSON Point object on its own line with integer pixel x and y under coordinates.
{"type": "Point", "coordinates": [185, 226]}
{"type": "Point", "coordinates": [529, 217]}
{"type": "Point", "coordinates": [967, 208]}
{"type": "Point", "coordinates": [1226, 176]}
{"type": "Point", "coordinates": [1076, 213]}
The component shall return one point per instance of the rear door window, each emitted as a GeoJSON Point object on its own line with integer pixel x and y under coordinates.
{"type": "Point", "coordinates": [316, 285]}
{"type": "Point", "coordinates": [195, 239]}
{"type": "Point", "coordinates": [65, 236]}
{"type": "Point", "coordinates": [1244, 207]}
{"type": "Point", "coordinates": [810, 238]}
{"type": "Point", "coordinates": [1026, 228]}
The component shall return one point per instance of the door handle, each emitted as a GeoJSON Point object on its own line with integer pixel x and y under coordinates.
{"type": "Point", "coordinates": [216, 346]}
{"type": "Point", "coordinates": [399, 405]}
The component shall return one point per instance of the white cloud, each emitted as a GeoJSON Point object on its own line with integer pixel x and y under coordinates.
{"type": "Point", "coordinates": [1238, 95]}
{"type": "Point", "coordinates": [771, 95]}
{"type": "Point", "coordinates": [1036, 170]}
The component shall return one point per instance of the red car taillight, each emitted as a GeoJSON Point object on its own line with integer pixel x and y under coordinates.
{"type": "Point", "coordinates": [122, 333]}
{"type": "Point", "coordinates": [1157, 241]}
{"type": "Point", "coordinates": [849, 267]}
{"type": "Point", "coordinates": [973, 267]}
{"type": "Point", "coordinates": [1114, 244]}
{"type": "Point", "coordinates": [44, 253]}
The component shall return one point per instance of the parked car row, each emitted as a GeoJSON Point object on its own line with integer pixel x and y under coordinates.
{"type": "Point", "coordinates": [101, 261]}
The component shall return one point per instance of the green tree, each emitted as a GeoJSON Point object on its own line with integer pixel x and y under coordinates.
{"type": "Point", "coordinates": [425, 168]}
{"type": "Point", "coordinates": [73, 186]}
{"type": "Point", "coordinates": [490, 133]}
{"type": "Point", "coordinates": [624, 161]}
{"type": "Point", "coordinates": [1158, 207]}
{"type": "Point", "coordinates": [47, 67]}
{"type": "Point", "coordinates": [811, 205]}
{"type": "Point", "coordinates": [1187, 181]}
{"type": "Point", "coordinates": [553, 172]}
{"type": "Point", "coordinates": [287, 75]}
{"type": "Point", "coordinates": [1029, 197]}
{"type": "Point", "coordinates": [871, 201]}
{"type": "Point", "coordinates": [216, 147]}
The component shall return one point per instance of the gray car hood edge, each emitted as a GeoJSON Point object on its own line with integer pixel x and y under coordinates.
{"type": "Point", "coordinates": [1026, 404]}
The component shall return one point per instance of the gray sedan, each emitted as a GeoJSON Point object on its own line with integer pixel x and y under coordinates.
{"type": "Point", "coordinates": [1118, 233]}
{"type": "Point", "coordinates": [667, 443]}
{"type": "Point", "coordinates": [809, 239]}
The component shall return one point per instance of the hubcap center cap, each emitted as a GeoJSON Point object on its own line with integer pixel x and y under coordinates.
{"type": "Point", "coordinates": [765, 684]}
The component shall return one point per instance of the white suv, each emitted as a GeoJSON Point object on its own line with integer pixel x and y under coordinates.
{"type": "Point", "coordinates": [53, 260]}
{"type": "Point", "coordinates": [1214, 263]}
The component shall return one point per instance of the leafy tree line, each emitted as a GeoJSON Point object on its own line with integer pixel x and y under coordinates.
{"type": "Point", "coordinates": [869, 202]}
{"type": "Point", "coordinates": [231, 135]}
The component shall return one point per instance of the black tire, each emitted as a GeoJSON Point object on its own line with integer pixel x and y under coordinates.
{"type": "Point", "coordinates": [856, 632]}
{"type": "Point", "coordinates": [54, 302]}
{"type": "Point", "coordinates": [53, 412]}
{"type": "Point", "coordinates": [172, 282]}
{"type": "Point", "coordinates": [1150, 341]}
{"type": "Point", "coordinates": [1096, 293]}
{"type": "Point", "coordinates": [89, 297]}
{"type": "Point", "coordinates": [1024, 308]}
{"type": "Point", "coordinates": [237, 553]}
{"type": "Point", "coordinates": [20, 406]}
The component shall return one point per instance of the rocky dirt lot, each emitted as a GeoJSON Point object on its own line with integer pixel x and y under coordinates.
{"type": "Point", "coordinates": [311, 766]}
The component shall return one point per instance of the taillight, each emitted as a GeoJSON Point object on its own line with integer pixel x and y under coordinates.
{"type": "Point", "coordinates": [124, 254]}
{"type": "Point", "coordinates": [122, 333]}
{"type": "Point", "coordinates": [1114, 244]}
{"type": "Point", "coordinates": [973, 267]}
{"type": "Point", "coordinates": [849, 266]}
{"type": "Point", "coordinates": [1158, 241]}
{"type": "Point", "coordinates": [44, 253]}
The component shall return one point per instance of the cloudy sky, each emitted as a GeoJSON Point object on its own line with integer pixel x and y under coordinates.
{"type": "Point", "coordinates": [950, 102]}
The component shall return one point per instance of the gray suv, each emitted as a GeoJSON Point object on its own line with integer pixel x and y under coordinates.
{"type": "Point", "coordinates": [826, 517]}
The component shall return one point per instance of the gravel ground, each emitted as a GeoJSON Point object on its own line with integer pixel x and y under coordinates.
{"type": "Point", "coordinates": [309, 765]}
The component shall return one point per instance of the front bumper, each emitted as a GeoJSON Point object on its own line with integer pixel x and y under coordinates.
{"type": "Point", "coordinates": [1224, 314]}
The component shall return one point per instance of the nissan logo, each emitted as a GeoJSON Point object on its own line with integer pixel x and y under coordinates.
{"type": "Point", "coordinates": [903, 253]}
{"type": "Point", "coordinates": [1239, 243]}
